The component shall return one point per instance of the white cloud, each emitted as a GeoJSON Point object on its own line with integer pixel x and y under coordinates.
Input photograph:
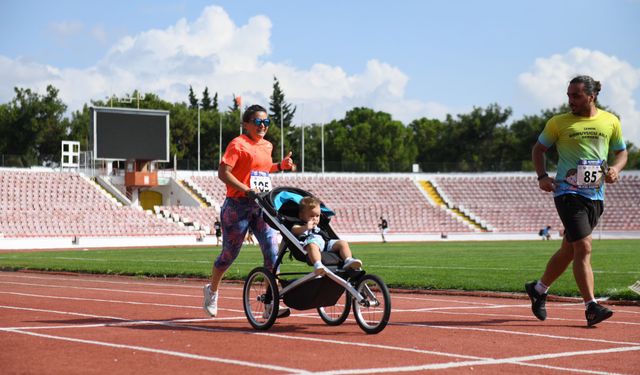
{"type": "Point", "coordinates": [229, 59]}
{"type": "Point", "coordinates": [547, 83]}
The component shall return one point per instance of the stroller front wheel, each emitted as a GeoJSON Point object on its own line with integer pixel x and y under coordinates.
{"type": "Point", "coordinates": [260, 298]}
{"type": "Point", "coordinates": [372, 314]}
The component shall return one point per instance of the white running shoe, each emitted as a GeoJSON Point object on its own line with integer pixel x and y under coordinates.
{"type": "Point", "coordinates": [352, 263]}
{"type": "Point", "coordinates": [210, 301]}
{"type": "Point", "coordinates": [320, 270]}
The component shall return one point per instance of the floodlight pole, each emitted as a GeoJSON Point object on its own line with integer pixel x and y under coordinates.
{"type": "Point", "coordinates": [281, 135]}
{"type": "Point", "coordinates": [322, 145]}
{"type": "Point", "coordinates": [220, 148]}
{"type": "Point", "coordinates": [302, 121]}
{"type": "Point", "coordinates": [198, 137]}
{"type": "Point", "coordinates": [240, 116]}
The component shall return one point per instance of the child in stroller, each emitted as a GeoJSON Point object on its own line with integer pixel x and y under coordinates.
{"type": "Point", "coordinates": [343, 284]}
{"type": "Point", "coordinates": [314, 240]}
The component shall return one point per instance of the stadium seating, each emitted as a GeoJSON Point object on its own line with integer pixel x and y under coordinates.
{"type": "Point", "coordinates": [193, 217]}
{"type": "Point", "coordinates": [516, 204]}
{"type": "Point", "coordinates": [61, 204]}
{"type": "Point", "coordinates": [359, 202]}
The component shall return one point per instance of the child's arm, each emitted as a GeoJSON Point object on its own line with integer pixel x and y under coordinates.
{"type": "Point", "coordinates": [299, 229]}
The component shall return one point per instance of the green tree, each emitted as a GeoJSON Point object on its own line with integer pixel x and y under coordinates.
{"type": "Point", "coordinates": [281, 114]}
{"type": "Point", "coordinates": [633, 161]}
{"type": "Point", "coordinates": [193, 101]}
{"type": "Point", "coordinates": [280, 111]}
{"type": "Point", "coordinates": [428, 138]}
{"type": "Point", "coordinates": [366, 140]}
{"type": "Point", "coordinates": [476, 140]}
{"type": "Point", "coordinates": [78, 127]}
{"type": "Point", "coordinates": [32, 126]}
{"type": "Point", "coordinates": [206, 100]}
{"type": "Point", "coordinates": [214, 106]}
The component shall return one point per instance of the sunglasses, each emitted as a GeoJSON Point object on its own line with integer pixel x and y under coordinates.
{"type": "Point", "coordinates": [258, 122]}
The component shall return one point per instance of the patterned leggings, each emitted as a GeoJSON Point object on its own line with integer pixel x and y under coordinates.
{"type": "Point", "coordinates": [237, 215]}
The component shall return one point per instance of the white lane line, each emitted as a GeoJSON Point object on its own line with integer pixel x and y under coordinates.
{"type": "Point", "coordinates": [509, 332]}
{"type": "Point", "coordinates": [100, 289]}
{"type": "Point", "coordinates": [484, 307]}
{"type": "Point", "coordinates": [480, 360]}
{"type": "Point", "coordinates": [528, 317]}
{"type": "Point", "coordinates": [324, 340]}
{"type": "Point", "coordinates": [395, 311]}
{"type": "Point", "coordinates": [87, 278]}
{"type": "Point", "coordinates": [100, 300]}
{"type": "Point", "coordinates": [227, 286]}
{"type": "Point", "coordinates": [512, 360]}
{"type": "Point", "coordinates": [584, 371]}
{"type": "Point", "coordinates": [118, 321]}
{"type": "Point", "coordinates": [172, 323]}
{"type": "Point", "coordinates": [438, 366]}
{"type": "Point", "coordinates": [166, 352]}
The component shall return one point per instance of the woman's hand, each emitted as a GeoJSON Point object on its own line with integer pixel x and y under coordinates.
{"type": "Point", "coordinates": [287, 163]}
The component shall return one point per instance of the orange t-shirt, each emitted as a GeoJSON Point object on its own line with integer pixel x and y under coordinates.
{"type": "Point", "coordinates": [245, 155]}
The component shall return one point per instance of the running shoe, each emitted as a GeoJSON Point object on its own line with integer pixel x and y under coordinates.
{"type": "Point", "coordinates": [320, 270]}
{"type": "Point", "coordinates": [210, 301]}
{"type": "Point", "coordinates": [352, 263]}
{"type": "Point", "coordinates": [596, 313]}
{"type": "Point", "coordinates": [538, 300]}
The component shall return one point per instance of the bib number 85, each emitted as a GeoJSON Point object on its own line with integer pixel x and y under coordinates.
{"type": "Point", "coordinates": [590, 174]}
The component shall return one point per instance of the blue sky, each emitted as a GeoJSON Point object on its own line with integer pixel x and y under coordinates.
{"type": "Point", "coordinates": [409, 58]}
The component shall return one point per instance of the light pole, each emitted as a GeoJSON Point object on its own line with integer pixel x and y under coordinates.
{"type": "Point", "coordinates": [302, 121]}
{"type": "Point", "coordinates": [322, 145]}
{"type": "Point", "coordinates": [198, 137]}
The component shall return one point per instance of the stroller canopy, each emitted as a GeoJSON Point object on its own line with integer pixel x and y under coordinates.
{"type": "Point", "coordinates": [284, 196]}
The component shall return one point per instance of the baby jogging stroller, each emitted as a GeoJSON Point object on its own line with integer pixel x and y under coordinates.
{"type": "Point", "coordinates": [332, 294]}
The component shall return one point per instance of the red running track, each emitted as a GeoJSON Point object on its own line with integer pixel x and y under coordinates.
{"type": "Point", "coordinates": [55, 324]}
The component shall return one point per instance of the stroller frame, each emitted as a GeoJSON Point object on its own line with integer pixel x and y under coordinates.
{"type": "Point", "coordinates": [367, 293]}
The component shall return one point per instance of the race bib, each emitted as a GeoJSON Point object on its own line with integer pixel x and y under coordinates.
{"type": "Point", "coordinates": [590, 174]}
{"type": "Point", "coordinates": [260, 181]}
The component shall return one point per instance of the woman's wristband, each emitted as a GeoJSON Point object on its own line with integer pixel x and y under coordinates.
{"type": "Point", "coordinates": [279, 168]}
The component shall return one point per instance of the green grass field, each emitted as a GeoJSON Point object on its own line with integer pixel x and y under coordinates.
{"type": "Point", "coordinates": [481, 266]}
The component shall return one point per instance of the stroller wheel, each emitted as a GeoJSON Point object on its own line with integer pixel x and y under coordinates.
{"type": "Point", "coordinates": [338, 313]}
{"type": "Point", "coordinates": [372, 314]}
{"type": "Point", "coordinates": [260, 298]}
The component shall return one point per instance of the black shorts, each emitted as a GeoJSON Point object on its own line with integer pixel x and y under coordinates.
{"type": "Point", "coordinates": [579, 215]}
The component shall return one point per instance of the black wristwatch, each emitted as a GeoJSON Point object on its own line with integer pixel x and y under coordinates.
{"type": "Point", "coordinates": [544, 175]}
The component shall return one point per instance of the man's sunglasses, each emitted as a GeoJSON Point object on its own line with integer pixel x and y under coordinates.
{"type": "Point", "coordinates": [257, 122]}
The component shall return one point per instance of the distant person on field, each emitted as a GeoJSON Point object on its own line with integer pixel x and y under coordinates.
{"type": "Point", "coordinates": [384, 226]}
{"type": "Point", "coordinates": [245, 169]}
{"type": "Point", "coordinates": [314, 241]}
{"type": "Point", "coordinates": [218, 229]}
{"type": "Point", "coordinates": [545, 233]}
{"type": "Point", "coordinates": [583, 139]}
